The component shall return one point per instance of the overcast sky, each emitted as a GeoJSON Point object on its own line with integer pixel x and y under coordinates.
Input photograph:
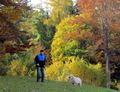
{"type": "Point", "coordinates": [36, 2]}
{"type": "Point", "coordinates": [41, 3]}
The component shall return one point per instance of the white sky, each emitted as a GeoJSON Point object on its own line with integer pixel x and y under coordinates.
{"type": "Point", "coordinates": [41, 3]}
{"type": "Point", "coordinates": [35, 2]}
{"type": "Point", "coordinates": [38, 2]}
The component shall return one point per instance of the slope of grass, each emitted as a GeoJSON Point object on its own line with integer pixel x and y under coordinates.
{"type": "Point", "coordinates": [27, 84]}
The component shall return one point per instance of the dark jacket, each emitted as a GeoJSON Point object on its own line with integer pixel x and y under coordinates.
{"type": "Point", "coordinates": [38, 62]}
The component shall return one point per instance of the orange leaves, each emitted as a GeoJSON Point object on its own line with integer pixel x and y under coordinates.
{"type": "Point", "coordinates": [83, 18]}
{"type": "Point", "coordinates": [115, 27]}
{"type": "Point", "coordinates": [76, 20]}
{"type": "Point", "coordinates": [86, 5]}
{"type": "Point", "coordinates": [97, 11]}
{"type": "Point", "coordinates": [89, 6]}
{"type": "Point", "coordinates": [78, 35]}
{"type": "Point", "coordinates": [71, 35]}
{"type": "Point", "coordinates": [87, 35]}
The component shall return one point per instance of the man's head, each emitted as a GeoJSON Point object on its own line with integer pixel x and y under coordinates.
{"type": "Point", "coordinates": [41, 51]}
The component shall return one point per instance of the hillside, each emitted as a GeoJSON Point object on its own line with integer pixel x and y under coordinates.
{"type": "Point", "coordinates": [27, 84]}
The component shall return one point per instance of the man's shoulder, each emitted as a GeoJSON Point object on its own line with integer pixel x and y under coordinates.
{"type": "Point", "coordinates": [42, 54]}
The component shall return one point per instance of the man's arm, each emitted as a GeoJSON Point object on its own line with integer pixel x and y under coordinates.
{"type": "Point", "coordinates": [36, 60]}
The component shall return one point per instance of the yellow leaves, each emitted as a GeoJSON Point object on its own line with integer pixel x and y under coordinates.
{"type": "Point", "coordinates": [47, 22]}
{"type": "Point", "coordinates": [60, 10]}
{"type": "Point", "coordinates": [53, 71]}
{"type": "Point", "coordinates": [92, 74]}
{"type": "Point", "coordinates": [17, 68]}
{"type": "Point", "coordinates": [96, 67]}
{"type": "Point", "coordinates": [57, 42]}
{"type": "Point", "coordinates": [71, 28]}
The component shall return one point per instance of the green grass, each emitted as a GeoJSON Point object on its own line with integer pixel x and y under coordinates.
{"type": "Point", "coordinates": [28, 84]}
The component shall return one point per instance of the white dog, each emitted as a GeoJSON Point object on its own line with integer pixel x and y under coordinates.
{"type": "Point", "coordinates": [75, 80]}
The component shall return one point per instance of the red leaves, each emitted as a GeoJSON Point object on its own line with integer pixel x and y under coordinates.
{"type": "Point", "coordinates": [17, 48]}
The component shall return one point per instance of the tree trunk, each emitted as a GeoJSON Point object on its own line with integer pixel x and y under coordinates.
{"type": "Point", "coordinates": [106, 52]}
{"type": "Point", "coordinates": [105, 27]}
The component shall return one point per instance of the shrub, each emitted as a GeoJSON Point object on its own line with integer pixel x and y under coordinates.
{"type": "Point", "coordinates": [3, 69]}
{"type": "Point", "coordinates": [31, 69]}
{"type": "Point", "coordinates": [17, 68]}
{"type": "Point", "coordinates": [91, 74]}
{"type": "Point", "coordinates": [118, 85]}
{"type": "Point", "coordinates": [54, 71]}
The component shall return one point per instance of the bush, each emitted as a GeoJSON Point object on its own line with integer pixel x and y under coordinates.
{"type": "Point", "coordinates": [90, 74]}
{"type": "Point", "coordinates": [31, 69]}
{"type": "Point", "coordinates": [118, 85]}
{"type": "Point", "coordinates": [56, 71]}
{"type": "Point", "coordinates": [17, 68]}
{"type": "Point", "coordinates": [3, 69]}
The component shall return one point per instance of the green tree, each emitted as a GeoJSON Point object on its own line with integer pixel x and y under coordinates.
{"type": "Point", "coordinates": [33, 23]}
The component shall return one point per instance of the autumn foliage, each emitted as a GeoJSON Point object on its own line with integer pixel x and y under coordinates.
{"type": "Point", "coordinates": [10, 36]}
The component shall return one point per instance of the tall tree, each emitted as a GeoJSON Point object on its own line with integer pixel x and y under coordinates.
{"type": "Point", "coordinates": [105, 39]}
{"type": "Point", "coordinates": [107, 11]}
{"type": "Point", "coordinates": [10, 36]}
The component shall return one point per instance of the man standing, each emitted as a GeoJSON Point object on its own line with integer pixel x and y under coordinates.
{"type": "Point", "coordinates": [40, 62]}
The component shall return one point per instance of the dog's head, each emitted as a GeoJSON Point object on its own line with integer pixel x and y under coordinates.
{"type": "Point", "coordinates": [70, 77]}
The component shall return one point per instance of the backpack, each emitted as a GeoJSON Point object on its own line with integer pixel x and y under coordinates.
{"type": "Point", "coordinates": [41, 57]}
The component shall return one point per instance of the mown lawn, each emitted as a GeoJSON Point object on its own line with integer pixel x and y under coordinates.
{"type": "Point", "coordinates": [28, 84]}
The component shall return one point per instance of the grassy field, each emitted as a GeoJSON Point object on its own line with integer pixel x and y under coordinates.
{"type": "Point", "coordinates": [27, 84]}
